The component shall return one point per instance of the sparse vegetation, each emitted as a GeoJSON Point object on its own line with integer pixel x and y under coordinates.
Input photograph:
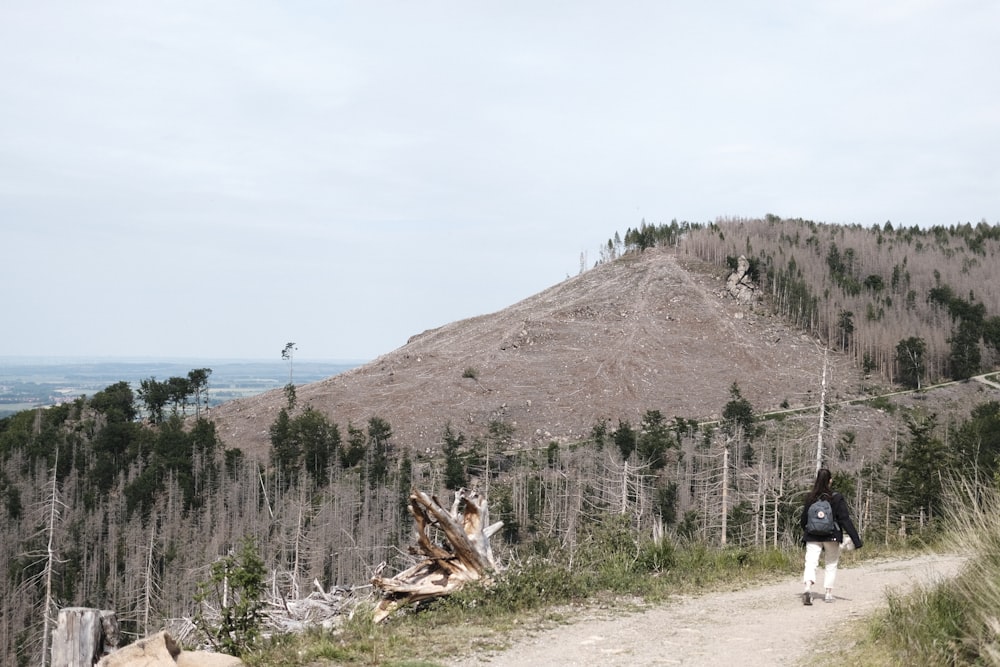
{"type": "Point", "coordinates": [658, 503]}
{"type": "Point", "coordinates": [954, 622]}
{"type": "Point", "coordinates": [614, 569]}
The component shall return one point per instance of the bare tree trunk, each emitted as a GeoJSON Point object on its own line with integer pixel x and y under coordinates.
{"type": "Point", "coordinates": [50, 561]}
{"type": "Point", "coordinates": [822, 415]}
{"type": "Point", "coordinates": [624, 496]}
{"type": "Point", "coordinates": [147, 598]}
{"type": "Point", "coordinates": [82, 635]}
{"type": "Point", "coordinates": [725, 493]}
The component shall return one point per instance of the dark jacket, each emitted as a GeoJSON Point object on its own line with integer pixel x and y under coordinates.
{"type": "Point", "coordinates": [842, 517]}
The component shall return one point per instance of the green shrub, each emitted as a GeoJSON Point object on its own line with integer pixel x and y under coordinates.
{"type": "Point", "coordinates": [236, 590]}
{"type": "Point", "coordinates": [656, 557]}
{"type": "Point", "coordinates": [536, 584]}
{"type": "Point", "coordinates": [882, 403]}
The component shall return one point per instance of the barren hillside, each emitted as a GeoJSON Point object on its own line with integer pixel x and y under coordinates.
{"type": "Point", "coordinates": [652, 330]}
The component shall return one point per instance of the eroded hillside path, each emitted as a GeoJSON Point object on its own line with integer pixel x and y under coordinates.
{"type": "Point", "coordinates": [754, 627]}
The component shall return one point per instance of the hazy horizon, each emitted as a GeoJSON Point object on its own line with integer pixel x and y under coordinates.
{"type": "Point", "coordinates": [59, 359]}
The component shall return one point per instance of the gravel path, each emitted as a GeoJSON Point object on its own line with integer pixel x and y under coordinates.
{"type": "Point", "coordinates": [761, 626]}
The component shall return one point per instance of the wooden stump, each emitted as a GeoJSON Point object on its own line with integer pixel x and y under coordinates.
{"type": "Point", "coordinates": [81, 636]}
{"type": "Point", "coordinates": [443, 571]}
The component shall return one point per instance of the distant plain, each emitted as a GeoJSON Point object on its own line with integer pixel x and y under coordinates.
{"type": "Point", "coordinates": [27, 383]}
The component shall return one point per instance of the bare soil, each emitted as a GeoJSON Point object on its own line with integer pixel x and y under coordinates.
{"type": "Point", "coordinates": [653, 330]}
{"type": "Point", "coordinates": [761, 626]}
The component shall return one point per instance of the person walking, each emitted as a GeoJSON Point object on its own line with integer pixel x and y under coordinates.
{"type": "Point", "coordinates": [823, 537]}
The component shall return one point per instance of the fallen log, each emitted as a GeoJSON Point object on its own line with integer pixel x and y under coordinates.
{"type": "Point", "coordinates": [443, 571]}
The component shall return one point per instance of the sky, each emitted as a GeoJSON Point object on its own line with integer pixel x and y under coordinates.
{"type": "Point", "coordinates": [212, 180]}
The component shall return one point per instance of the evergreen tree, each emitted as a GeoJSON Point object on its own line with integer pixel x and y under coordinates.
{"type": "Point", "coordinates": [285, 452]}
{"type": "Point", "coordinates": [404, 485]}
{"type": "Point", "coordinates": [965, 355]}
{"type": "Point", "coordinates": [113, 443]}
{"type": "Point", "coordinates": [976, 443]}
{"type": "Point", "coordinates": [154, 396]}
{"type": "Point", "coordinates": [654, 439]}
{"type": "Point", "coordinates": [354, 452]}
{"type": "Point", "coordinates": [919, 482]}
{"type": "Point", "coordinates": [846, 327]}
{"type": "Point", "coordinates": [625, 438]}
{"type": "Point", "coordinates": [666, 502]}
{"type": "Point", "coordinates": [236, 590]}
{"type": "Point", "coordinates": [198, 384]}
{"type": "Point", "coordinates": [379, 433]}
{"type": "Point", "coordinates": [455, 475]}
{"type": "Point", "coordinates": [910, 360]}
{"type": "Point", "coordinates": [319, 441]}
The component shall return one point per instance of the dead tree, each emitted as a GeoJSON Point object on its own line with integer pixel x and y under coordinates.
{"type": "Point", "coordinates": [83, 635]}
{"type": "Point", "coordinates": [442, 570]}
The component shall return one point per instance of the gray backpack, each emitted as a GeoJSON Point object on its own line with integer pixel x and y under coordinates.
{"type": "Point", "coordinates": [819, 519]}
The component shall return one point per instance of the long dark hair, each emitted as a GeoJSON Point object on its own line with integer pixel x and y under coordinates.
{"type": "Point", "coordinates": [822, 486]}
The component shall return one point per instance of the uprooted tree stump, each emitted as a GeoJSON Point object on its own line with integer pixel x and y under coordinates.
{"type": "Point", "coordinates": [442, 571]}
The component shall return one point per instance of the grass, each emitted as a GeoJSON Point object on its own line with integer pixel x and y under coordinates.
{"type": "Point", "coordinates": [954, 623]}
{"type": "Point", "coordinates": [607, 575]}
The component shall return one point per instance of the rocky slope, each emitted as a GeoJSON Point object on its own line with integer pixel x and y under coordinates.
{"type": "Point", "coordinates": [653, 330]}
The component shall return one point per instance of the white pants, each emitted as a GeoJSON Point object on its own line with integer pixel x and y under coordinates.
{"type": "Point", "coordinates": [813, 550]}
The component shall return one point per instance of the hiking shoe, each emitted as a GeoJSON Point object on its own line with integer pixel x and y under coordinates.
{"type": "Point", "coordinates": [828, 597]}
{"type": "Point", "coordinates": [807, 598]}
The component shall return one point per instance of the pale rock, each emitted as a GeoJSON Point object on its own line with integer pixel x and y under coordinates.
{"type": "Point", "coordinates": [160, 650]}
{"type": "Point", "coordinates": [739, 285]}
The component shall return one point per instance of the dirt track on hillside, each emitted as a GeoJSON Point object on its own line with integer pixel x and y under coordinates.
{"type": "Point", "coordinates": [755, 627]}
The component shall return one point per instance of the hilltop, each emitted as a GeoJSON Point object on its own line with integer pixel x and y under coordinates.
{"type": "Point", "coordinates": [652, 330]}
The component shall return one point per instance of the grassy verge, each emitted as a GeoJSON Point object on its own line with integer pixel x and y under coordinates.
{"type": "Point", "coordinates": [608, 575]}
{"type": "Point", "coordinates": [954, 623]}
{"type": "Point", "coordinates": [613, 576]}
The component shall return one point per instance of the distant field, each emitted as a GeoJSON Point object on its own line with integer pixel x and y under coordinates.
{"type": "Point", "coordinates": [27, 383]}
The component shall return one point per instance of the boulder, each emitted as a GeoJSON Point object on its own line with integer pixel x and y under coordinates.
{"type": "Point", "coordinates": [207, 659]}
{"type": "Point", "coordinates": [739, 285]}
{"type": "Point", "coordinates": [160, 650]}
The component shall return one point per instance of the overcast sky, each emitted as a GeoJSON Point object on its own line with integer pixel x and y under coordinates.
{"type": "Point", "coordinates": [212, 180]}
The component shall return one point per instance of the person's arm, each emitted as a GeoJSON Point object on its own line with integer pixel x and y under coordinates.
{"type": "Point", "coordinates": [843, 516]}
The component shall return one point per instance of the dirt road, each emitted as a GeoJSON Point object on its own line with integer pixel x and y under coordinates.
{"type": "Point", "coordinates": [756, 627]}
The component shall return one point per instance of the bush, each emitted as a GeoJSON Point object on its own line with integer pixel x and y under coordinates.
{"type": "Point", "coordinates": [536, 584]}
{"type": "Point", "coordinates": [656, 557]}
{"type": "Point", "coordinates": [236, 590]}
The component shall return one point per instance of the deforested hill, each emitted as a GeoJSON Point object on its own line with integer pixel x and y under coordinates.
{"type": "Point", "coordinates": [652, 326]}
{"type": "Point", "coordinates": [654, 329]}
